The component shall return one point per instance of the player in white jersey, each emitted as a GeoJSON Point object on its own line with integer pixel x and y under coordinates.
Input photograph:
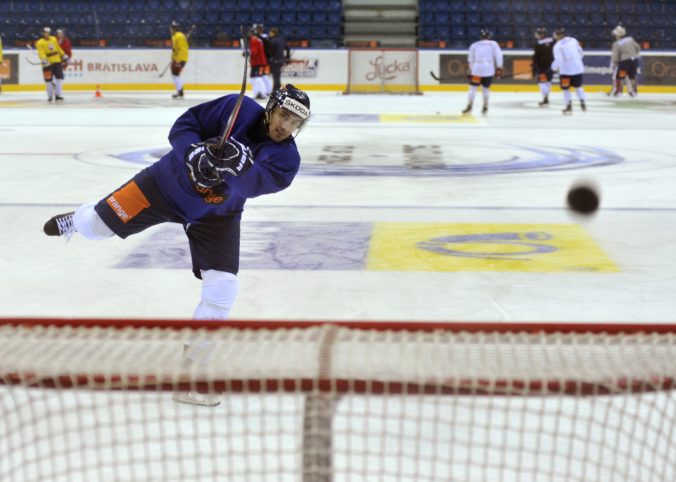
{"type": "Point", "coordinates": [485, 61]}
{"type": "Point", "coordinates": [568, 61]}
{"type": "Point", "coordinates": [624, 61]}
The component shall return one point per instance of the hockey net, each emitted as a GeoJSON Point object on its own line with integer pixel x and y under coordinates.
{"type": "Point", "coordinates": [382, 71]}
{"type": "Point", "coordinates": [92, 400]}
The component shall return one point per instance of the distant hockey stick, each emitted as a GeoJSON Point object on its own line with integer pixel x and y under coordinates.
{"type": "Point", "coordinates": [31, 61]}
{"type": "Point", "coordinates": [235, 111]}
{"type": "Point", "coordinates": [187, 36]}
{"type": "Point", "coordinates": [508, 76]}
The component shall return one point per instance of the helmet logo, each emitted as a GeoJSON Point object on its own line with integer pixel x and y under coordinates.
{"type": "Point", "coordinates": [296, 107]}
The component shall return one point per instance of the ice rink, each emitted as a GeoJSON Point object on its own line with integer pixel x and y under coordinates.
{"type": "Point", "coordinates": [403, 210]}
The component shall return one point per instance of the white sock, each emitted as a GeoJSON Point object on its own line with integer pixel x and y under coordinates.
{"type": "Point", "coordinates": [177, 82]}
{"type": "Point", "coordinates": [486, 92]}
{"type": "Point", "coordinates": [580, 93]}
{"type": "Point", "coordinates": [472, 93]}
{"type": "Point", "coordinates": [258, 86]}
{"type": "Point", "coordinates": [219, 291]}
{"type": "Point", "coordinates": [566, 96]}
{"type": "Point", "coordinates": [59, 86]}
{"type": "Point", "coordinates": [88, 223]}
{"type": "Point", "coordinates": [50, 89]}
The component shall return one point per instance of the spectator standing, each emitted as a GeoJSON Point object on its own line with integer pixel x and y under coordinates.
{"type": "Point", "coordinates": [279, 55]}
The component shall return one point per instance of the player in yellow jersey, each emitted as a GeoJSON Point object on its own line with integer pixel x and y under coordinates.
{"type": "Point", "coordinates": [179, 57]}
{"type": "Point", "coordinates": [51, 55]}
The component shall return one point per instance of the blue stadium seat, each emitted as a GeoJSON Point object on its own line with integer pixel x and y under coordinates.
{"type": "Point", "coordinates": [457, 19]}
{"type": "Point", "coordinates": [303, 17]}
{"type": "Point", "coordinates": [458, 32]}
{"type": "Point", "coordinates": [289, 17]}
{"type": "Point", "coordinates": [488, 18]}
{"type": "Point", "coordinates": [318, 32]}
{"type": "Point", "coordinates": [473, 18]}
{"type": "Point", "coordinates": [273, 18]}
{"type": "Point", "coordinates": [334, 31]}
{"type": "Point", "coordinates": [319, 18]}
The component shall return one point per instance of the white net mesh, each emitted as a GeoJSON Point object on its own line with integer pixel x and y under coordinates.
{"type": "Point", "coordinates": [382, 71]}
{"type": "Point", "coordinates": [332, 403]}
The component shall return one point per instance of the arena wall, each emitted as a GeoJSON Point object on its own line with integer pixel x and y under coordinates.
{"type": "Point", "coordinates": [313, 69]}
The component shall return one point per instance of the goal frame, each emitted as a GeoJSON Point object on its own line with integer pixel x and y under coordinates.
{"type": "Point", "coordinates": [323, 392]}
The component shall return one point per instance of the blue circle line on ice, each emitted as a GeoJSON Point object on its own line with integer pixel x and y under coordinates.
{"type": "Point", "coordinates": [529, 243]}
{"type": "Point", "coordinates": [528, 159]}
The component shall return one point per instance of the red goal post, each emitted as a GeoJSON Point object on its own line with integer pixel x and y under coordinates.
{"type": "Point", "coordinates": [312, 401]}
{"type": "Point", "coordinates": [382, 71]}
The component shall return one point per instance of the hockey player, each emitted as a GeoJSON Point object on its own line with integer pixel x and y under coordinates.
{"type": "Point", "coordinates": [259, 65]}
{"type": "Point", "coordinates": [624, 61]}
{"type": "Point", "coordinates": [568, 62]}
{"type": "Point", "coordinates": [179, 57]}
{"type": "Point", "coordinates": [66, 46]}
{"type": "Point", "coordinates": [543, 57]}
{"type": "Point", "coordinates": [204, 188]}
{"type": "Point", "coordinates": [52, 58]}
{"type": "Point", "coordinates": [485, 61]}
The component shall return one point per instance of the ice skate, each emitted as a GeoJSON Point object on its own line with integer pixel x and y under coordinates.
{"type": "Point", "coordinates": [49, 99]}
{"type": "Point", "coordinates": [178, 95]}
{"type": "Point", "coordinates": [60, 225]}
{"type": "Point", "coordinates": [583, 106]}
{"type": "Point", "coordinates": [569, 109]}
{"type": "Point", "coordinates": [484, 109]}
{"type": "Point", "coordinates": [544, 103]}
{"type": "Point", "coordinates": [58, 98]}
{"type": "Point", "coordinates": [468, 109]}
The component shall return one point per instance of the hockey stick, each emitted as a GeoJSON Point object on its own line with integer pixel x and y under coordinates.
{"type": "Point", "coordinates": [32, 62]}
{"type": "Point", "coordinates": [235, 111]}
{"type": "Point", "coordinates": [508, 76]}
{"type": "Point", "coordinates": [187, 37]}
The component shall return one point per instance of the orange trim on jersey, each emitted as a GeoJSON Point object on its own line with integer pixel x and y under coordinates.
{"type": "Point", "coordinates": [128, 201]}
{"type": "Point", "coordinates": [543, 78]}
{"type": "Point", "coordinates": [622, 74]}
{"type": "Point", "coordinates": [475, 79]}
{"type": "Point", "coordinates": [565, 82]}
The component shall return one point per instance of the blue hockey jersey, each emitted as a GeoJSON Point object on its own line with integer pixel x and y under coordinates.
{"type": "Point", "coordinates": [275, 164]}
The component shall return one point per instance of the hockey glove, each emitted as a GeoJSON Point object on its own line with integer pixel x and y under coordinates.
{"type": "Point", "coordinates": [498, 73]}
{"type": "Point", "coordinates": [210, 166]}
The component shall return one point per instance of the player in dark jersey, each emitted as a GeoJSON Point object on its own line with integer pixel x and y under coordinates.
{"type": "Point", "coordinates": [204, 188]}
{"type": "Point", "coordinates": [543, 57]}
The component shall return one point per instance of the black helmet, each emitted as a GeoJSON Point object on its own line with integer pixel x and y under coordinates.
{"type": "Point", "coordinates": [292, 99]}
{"type": "Point", "coordinates": [540, 32]}
{"type": "Point", "coordinates": [485, 33]}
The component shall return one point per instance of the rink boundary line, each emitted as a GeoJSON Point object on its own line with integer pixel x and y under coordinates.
{"type": "Point", "coordinates": [227, 88]}
{"type": "Point", "coordinates": [323, 206]}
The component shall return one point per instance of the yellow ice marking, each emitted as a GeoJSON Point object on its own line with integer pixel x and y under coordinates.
{"type": "Point", "coordinates": [429, 118]}
{"type": "Point", "coordinates": [485, 247]}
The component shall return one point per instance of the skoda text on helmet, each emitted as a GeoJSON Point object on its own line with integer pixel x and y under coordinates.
{"type": "Point", "coordinates": [292, 100]}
